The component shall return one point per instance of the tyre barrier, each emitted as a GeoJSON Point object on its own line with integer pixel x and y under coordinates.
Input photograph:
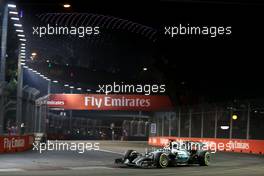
{"type": "Point", "coordinates": [226, 145]}
{"type": "Point", "coordinates": [11, 144]}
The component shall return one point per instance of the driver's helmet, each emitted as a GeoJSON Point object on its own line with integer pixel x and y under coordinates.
{"type": "Point", "coordinates": [170, 143]}
{"type": "Point", "coordinates": [134, 152]}
{"type": "Point", "coordinates": [176, 145]}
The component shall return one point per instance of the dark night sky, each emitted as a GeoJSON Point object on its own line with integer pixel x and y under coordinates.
{"type": "Point", "coordinates": [218, 69]}
{"type": "Point", "coordinates": [227, 67]}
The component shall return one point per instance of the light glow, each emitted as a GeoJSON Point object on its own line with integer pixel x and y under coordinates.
{"type": "Point", "coordinates": [19, 30]}
{"type": "Point", "coordinates": [11, 5]}
{"type": "Point", "coordinates": [12, 12]}
{"type": "Point", "coordinates": [234, 116]}
{"type": "Point", "coordinates": [66, 5]}
{"type": "Point", "coordinates": [224, 127]}
{"type": "Point", "coordinates": [21, 35]}
{"type": "Point", "coordinates": [18, 25]}
{"type": "Point", "coordinates": [14, 18]}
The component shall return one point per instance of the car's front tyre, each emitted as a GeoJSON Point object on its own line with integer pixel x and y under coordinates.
{"type": "Point", "coordinates": [161, 160]}
{"type": "Point", "coordinates": [205, 158]}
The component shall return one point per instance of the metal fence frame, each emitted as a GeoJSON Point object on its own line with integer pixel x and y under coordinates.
{"type": "Point", "coordinates": [182, 123]}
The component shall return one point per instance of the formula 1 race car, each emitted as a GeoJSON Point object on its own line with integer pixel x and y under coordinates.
{"type": "Point", "coordinates": [176, 153]}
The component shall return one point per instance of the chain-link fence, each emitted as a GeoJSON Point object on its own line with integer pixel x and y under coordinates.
{"type": "Point", "coordinates": [238, 120]}
{"type": "Point", "coordinates": [137, 128]}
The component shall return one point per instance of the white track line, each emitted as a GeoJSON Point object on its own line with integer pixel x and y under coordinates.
{"type": "Point", "coordinates": [89, 167]}
{"type": "Point", "coordinates": [11, 170]}
{"type": "Point", "coordinates": [109, 151]}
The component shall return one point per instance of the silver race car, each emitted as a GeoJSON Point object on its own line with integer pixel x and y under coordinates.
{"type": "Point", "coordinates": [176, 153]}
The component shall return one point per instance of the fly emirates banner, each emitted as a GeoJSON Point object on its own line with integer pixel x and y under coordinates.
{"type": "Point", "coordinates": [109, 102]}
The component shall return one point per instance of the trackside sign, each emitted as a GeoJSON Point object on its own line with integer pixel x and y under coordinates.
{"type": "Point", "coordinates": [10, 143]}
{"type": "Point", "coordinates": [15, 143]}
{"type": "Point", "coordinates": [228, 145]}
{"type": "Point", "coordinates": [109, 102]}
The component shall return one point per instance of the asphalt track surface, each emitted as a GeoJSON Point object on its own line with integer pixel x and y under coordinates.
{"type": "Point", "coordinates": [101, 163]}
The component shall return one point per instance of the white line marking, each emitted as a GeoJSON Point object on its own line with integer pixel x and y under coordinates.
{"type": "Point", "coordinates": [89, 167]}
{"type": "Point", "coordinates": [109, 151]}
{"type": "Point", "coordinates": [11, 170]}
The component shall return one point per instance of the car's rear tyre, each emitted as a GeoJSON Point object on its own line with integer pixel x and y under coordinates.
{"type": "Point", "coordinates": [205, 159]}
{"type": "Point", "coordinates": [161, 160]}
{"type": "Point", "coordinates": [119, 161]}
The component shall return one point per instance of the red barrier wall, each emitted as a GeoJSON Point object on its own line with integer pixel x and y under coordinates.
{"type": "Point", "coordinates": [229, 145]}
{"type": "Point", "coordinates": [16, 143]}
